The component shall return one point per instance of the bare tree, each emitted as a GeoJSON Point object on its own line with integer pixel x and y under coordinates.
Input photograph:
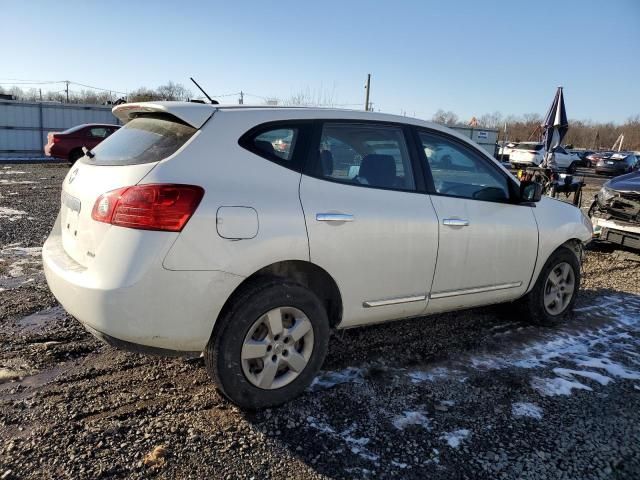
{"type": "Point", "coordinates": [445, 117]}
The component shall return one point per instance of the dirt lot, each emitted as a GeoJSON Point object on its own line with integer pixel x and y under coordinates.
{"type": "Point", "coordinates": [474, 394]}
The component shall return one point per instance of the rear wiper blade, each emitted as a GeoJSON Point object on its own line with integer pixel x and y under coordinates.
{"type": "Point", "coordinates": [88, 152]}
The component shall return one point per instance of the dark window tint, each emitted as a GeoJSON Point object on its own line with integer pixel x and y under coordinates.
{"type": "Point", "coordinates": [373, 155]}
{"type": "Point", "coordinates": [279, 142]}
{"type": "Point", "coordinates": [457, 171]}
{"type": "Point", "coordinates": [144, 139]}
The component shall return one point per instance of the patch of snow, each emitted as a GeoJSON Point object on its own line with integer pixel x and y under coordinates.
{"type": "Point", "coordinates": [610, 367]}
{"type": "Point", "coordinates": [357, 445]}
{"type": "Point", "coordinates": [399, 464]}
{"type": "Point", "coordinates": [550, 387]}
{"type": "Point", "coordinates": [411, 418]}
{"type": "Point", "coordinates": [15, 182]}
{"type": "Point", "coordinates": [330, 379]}
{"type": "Point", "coordinates": [12, 172]}
{"type": "Point", "coordinates": [11, 214]}
{"type": "Point", "coordinates": [419, 376]}
{"type": "Point", "coordinates": [526, 409]}
{"type": "Point", "coordinates": [455, 438]}
{"type": "Point", "coordinates": [596, 377]}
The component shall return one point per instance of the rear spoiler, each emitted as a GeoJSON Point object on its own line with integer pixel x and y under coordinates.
{"type": "Point", "coordinates": [194, 114]}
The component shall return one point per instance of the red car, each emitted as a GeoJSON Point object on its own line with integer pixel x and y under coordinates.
{"type": "Point", "coordinates": [68, 144]}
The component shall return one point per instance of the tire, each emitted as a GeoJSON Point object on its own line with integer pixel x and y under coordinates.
{"type": "Point", "coordinates": [571, 169]}
{"type": "Point", "coordinates": [74, 155]}
{"type": "Point", "coordinates": [245, 322]}
{"type": "Point", "coordinates": [533, 304]}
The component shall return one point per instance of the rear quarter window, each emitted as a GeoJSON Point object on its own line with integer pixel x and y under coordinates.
{"type": "Point", "coordinates": [145, 139]}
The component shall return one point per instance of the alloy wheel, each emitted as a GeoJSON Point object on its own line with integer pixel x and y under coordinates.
{"type": "Point", "coordinates": [559, 288]}
{"type": "Point", "coordinates": [277, 348]}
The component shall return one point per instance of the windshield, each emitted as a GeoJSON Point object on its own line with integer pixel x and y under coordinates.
{"type": "Point", "coordinates": [144, 139]}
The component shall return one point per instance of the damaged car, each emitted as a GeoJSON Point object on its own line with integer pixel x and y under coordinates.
{"type": "Point", "coordinates": [615, 211]}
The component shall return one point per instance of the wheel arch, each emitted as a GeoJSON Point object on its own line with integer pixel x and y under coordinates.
{"type": "Point", "coordinates": [575, 245]}
{"type": "Point", "coordinates": [315, 278]}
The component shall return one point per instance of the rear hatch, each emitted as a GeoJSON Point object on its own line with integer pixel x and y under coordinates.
{"type": "Point", "coordinates": [527, 153]}
{"type": "Point", "coordinates": [122, 160]}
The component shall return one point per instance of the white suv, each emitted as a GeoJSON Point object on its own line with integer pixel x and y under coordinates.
{"type": "Point", "coordinates": [531, 154]}
{"type": "Point", "coordinates": [249, 232]}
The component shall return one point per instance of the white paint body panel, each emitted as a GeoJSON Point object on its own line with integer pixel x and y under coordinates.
{"type": "Point", "coordinates": [387, 252]}
{"type": "Point", "coordinates": [497, 248]}
{"type": "Point", "coordinates": [165, 290]}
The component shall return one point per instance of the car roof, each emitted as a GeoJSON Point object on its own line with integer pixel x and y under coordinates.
{"type": "Point", "coordinates": [196, 114]}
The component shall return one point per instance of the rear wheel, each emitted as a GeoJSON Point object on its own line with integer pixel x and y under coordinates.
{"type": "Point", "coordinates": [572, 168]}
{"type": "Point", "coordinates": [269, 345]}
{"type": "Point", "coordinates": [555, 290]}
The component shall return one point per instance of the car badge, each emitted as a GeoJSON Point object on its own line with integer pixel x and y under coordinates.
{"type": "Point", "coordinates": [73, 175]}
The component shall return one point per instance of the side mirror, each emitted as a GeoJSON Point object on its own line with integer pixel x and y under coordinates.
{"type": "Point", "coordinates": [530, 191]}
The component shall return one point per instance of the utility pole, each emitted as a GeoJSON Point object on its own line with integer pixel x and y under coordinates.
{"type": "Point", "coordinates": [367, 88]}
{"type": "Point", "coordinates": [67, 89]}
{"type": "Point", "coordinates": [241, 99]}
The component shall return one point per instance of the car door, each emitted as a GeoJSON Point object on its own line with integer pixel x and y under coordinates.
{"type": "Point", "coordinates": [369, 222]}
{"type": "Point", "coordinates": [487, 244]}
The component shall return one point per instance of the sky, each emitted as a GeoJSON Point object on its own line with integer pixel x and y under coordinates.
{"type": "Point", "coordinates": [470, 57]}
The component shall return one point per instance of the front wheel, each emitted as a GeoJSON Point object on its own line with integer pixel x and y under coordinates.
{"type": "Point", "coordinates": [554, 293]}
{"type": "Point", "coordinates": [269, 345]}
{"type": "Point", "coordinates": [571, 169]}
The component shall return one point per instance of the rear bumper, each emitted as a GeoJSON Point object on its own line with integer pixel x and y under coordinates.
{"type": "Point", "coordinates": [139, 306]}
{"type": "Point", "coordinates": [610, 171]}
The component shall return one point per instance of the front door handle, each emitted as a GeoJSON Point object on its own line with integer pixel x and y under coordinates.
{"type": "Point", "coordinates": [455, 222]}
{"type": "Point", "coordinates": [334, 217]}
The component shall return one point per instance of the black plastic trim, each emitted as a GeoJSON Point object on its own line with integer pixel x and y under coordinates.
{"type": "Point", "coordinates": [136, 347]}
{"type": "Point", "coordinates": [304, 130]}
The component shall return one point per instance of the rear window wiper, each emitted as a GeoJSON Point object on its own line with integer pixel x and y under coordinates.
{"type": "Point", "coordinates": [88, 152]}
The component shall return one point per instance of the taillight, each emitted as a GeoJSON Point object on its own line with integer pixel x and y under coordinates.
{"type": "Point", "coordinates": [55, 139]}
{"type": "Point", "coordinates": [149, 207]}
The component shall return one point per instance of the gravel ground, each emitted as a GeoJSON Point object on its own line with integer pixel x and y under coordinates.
{"type": "Point", "coordinates": [474, 394]}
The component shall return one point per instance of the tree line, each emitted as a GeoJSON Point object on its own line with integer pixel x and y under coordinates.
{"type": "Point", "coordinates": [582, 133]}
{"type": "Point", "coordinates": [168, 91]}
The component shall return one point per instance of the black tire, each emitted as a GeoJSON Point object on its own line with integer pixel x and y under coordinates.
{"type": "Point", "coordinates": [74, 155]}
{"type": "Point", "coordinates": [571, 169]}
{"type": "Point", "coordinates": [223, 352]}
{"type": "Point", "coordinates": [532, 305]}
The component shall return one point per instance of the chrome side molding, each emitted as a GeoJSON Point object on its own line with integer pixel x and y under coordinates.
{"type": "Point", "coordinates": [394, 301]}
{"type": "Point", "coordinates": [467, 291]}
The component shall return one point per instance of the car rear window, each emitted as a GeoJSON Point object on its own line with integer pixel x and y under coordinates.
{"type": "Point", "coordinates": [145, 139]}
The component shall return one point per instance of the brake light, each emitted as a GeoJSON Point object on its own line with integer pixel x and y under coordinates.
{"type": "Point", "coordinates": [55, 139]}
{"type": "Point", "coordinates": [149, 207]}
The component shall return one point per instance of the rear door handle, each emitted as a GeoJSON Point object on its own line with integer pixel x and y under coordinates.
{"type": "Point", "coordinates": [334, 217]}
{"type": "Point", "coordinates": [455, 222]}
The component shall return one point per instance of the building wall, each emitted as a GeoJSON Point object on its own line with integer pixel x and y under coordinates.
{"type": "Point", "coordinates": [24, 125]}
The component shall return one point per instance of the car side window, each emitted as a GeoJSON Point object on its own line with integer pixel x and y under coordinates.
{"type": "Point", "coordinates": [364, 155]}
{"type": "Point", "coordinates": [459, 172]}
{"type": "Point", "coordinates": [278, 142]}
{"type": "Point", "coordinates": [98, 132]}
